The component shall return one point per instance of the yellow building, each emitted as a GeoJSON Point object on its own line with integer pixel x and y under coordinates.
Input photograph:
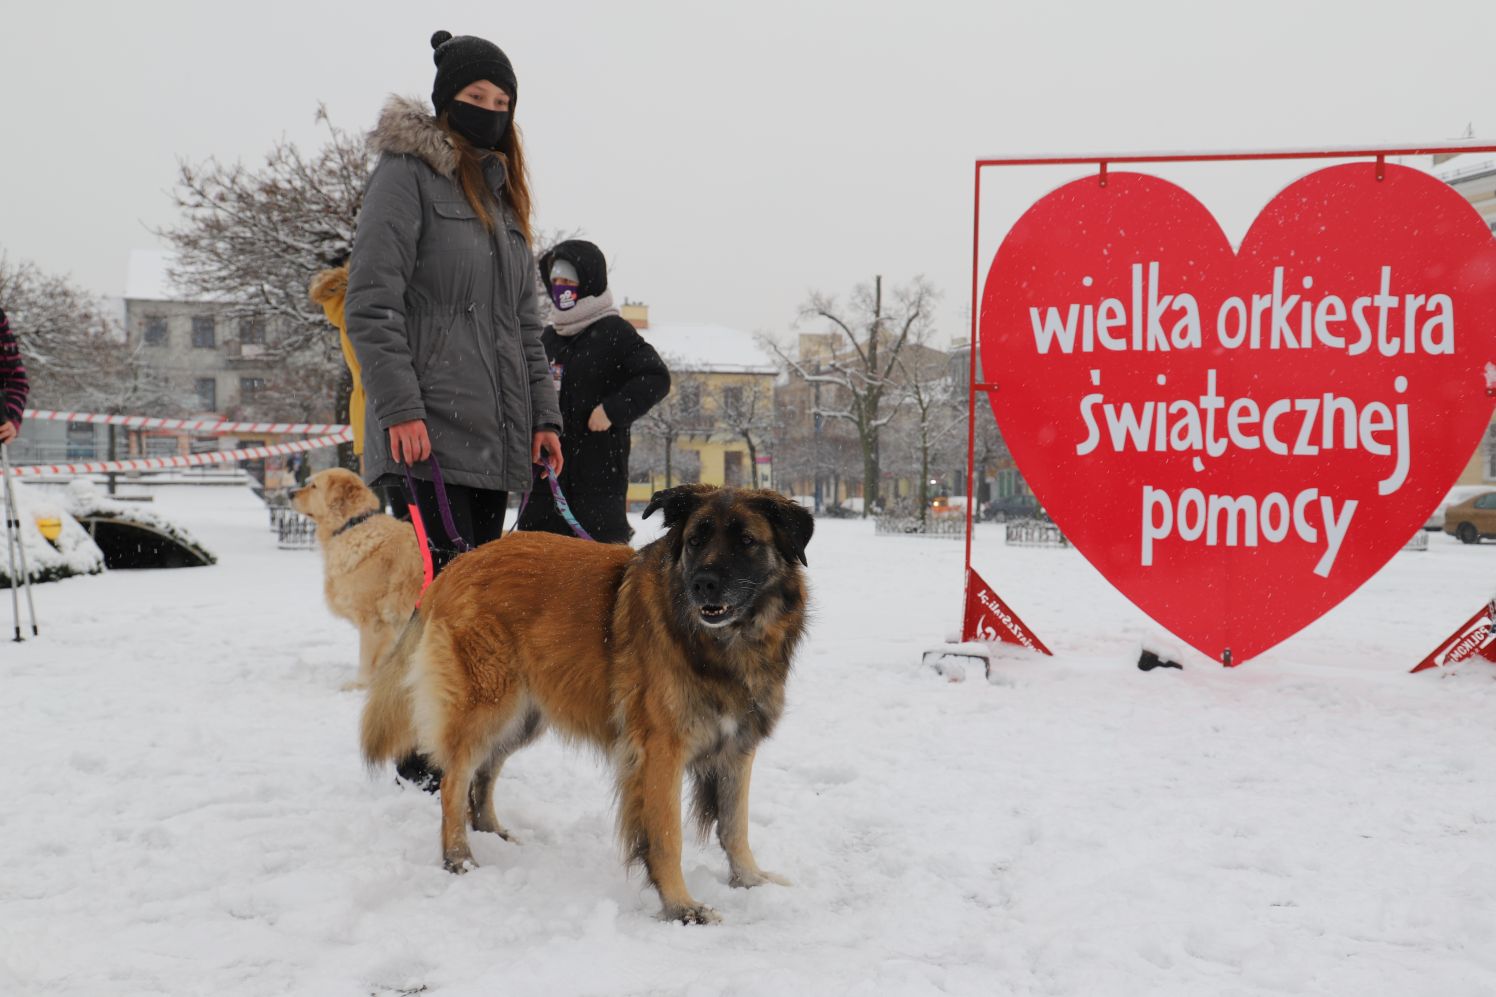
{"type": "Point", "coordinates": [719, 415]}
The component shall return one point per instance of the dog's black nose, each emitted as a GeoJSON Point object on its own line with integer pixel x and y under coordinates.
{"type": "Point", "coordinates": [706, 586]}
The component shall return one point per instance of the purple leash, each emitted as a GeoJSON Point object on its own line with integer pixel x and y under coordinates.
{"type": "Point", "coordinates": [443, 505]}
{"type": "Point", "coordinates": [562, 506]}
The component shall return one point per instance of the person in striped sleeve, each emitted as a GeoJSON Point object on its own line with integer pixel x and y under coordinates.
{"type": "Point", "coordinates": [13, 384]}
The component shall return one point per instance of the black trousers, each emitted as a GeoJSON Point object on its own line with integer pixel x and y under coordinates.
{"type": "Point", "coordinates": [392, 498]}
{"type": "Point", "coordinates": [602, 514]}
{"type": "Point", "coordinates": [477, 513]}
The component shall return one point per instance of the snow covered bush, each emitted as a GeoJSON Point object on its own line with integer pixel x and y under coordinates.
{"type": "Point", "coordinates": [74, 552]}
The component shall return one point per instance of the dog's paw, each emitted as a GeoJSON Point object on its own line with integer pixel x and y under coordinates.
{"type": "Point", "coordinates": [691, 914]}
{"type": "Point", "coordinates": [745, 880]}
{"type": "Point", "coordinates": [496, 828]}
{"type": "Point", "coordinates": [353, 686]}
{"type": "Point", "coordinates": [459, 864]}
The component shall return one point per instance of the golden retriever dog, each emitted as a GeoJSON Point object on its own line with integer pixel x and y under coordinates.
{"type": "Point", "coordinates": [371, 564]}
{"type": "Point", "coordinates": [671, 659]}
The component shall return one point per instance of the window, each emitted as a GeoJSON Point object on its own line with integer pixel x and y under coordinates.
{"type": "Point", "coordinates": [203, 335]}
{"type": "Point", "coordinates": [251, 389]}
{"type": "Point", "coordinates": [81, 441]}
{"type": "Point", "coordinates": [162, 446]}
{"type": "Point", "coordinates": [690, 398]}
{"type": "Point", "coordinates": [1486, 501]}
{"type": "Point", "coordinates": [207, 393]}
{"type": "Point", "coordinates": [203, 444]}
{"type": "Point", "coordinates": [687, 467]}
{"type": "Point", "coordinates": [732, 469]}
{"type": "Point", "coordinates": [732, 400]}
{"type": "Point", "coordinates": [155, 330]}
{"type": "Point", "coordinates": [252, 332]}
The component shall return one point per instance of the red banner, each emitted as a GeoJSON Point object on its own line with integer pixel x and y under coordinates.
{"type": "Point", "coordinates": [1239, 439]}
{"type": "Point", "coordinates": [990, 619]}
{"type": "Point", "coordinates": [1476, 639]}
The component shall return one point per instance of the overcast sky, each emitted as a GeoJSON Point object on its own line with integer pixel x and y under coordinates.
{"type": "Point", "coordinates": [728, 157]}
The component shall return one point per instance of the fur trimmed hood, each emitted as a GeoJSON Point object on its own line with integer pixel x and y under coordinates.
{"type": "Point", "coordinates": [329, 285]}
{"type": "Point", "coordinates": [408, 128]}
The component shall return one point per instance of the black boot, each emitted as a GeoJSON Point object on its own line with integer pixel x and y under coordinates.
{"type": "Point", "coordinates": [416, 769]}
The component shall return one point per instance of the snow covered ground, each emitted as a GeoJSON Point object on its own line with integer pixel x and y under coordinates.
{"type": "Point", "coordinates": [185, 811]}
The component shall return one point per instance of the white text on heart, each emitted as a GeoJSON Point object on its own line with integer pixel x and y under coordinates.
{"type": "Point", "coordinates": [1273, 320]}
{"type": "Point", "coordinates": [1244, 521]}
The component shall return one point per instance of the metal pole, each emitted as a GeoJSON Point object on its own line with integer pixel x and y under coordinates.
{"type": "Point", "coordinates": [11, 527]}
{"type": "Point", "coordinates": [971, 393]}
{"type": "Point", "coordinates": [1346, 152]}
{"type": "Point", "coordinates": [14, 543]}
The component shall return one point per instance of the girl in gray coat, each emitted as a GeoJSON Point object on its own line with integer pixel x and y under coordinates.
{"type": "Point", "coordinates": [441, 306]}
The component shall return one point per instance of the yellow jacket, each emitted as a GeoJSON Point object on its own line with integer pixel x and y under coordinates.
{"type": "Point", "coordinates": [328, 289]}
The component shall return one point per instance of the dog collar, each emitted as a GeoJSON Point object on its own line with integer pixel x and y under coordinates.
{"type": "Point", "coordinates": [355, 521]}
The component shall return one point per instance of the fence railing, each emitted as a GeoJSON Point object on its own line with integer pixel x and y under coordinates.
{"type": "Point", "coordinates": [1034, 533]}
{"type": "Point", "coordinates": [946, 527]}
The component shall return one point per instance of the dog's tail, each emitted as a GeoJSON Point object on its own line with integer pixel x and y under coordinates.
{"type": "Point", "coordinates": [387, 730]}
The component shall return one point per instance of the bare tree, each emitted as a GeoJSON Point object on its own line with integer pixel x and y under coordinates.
{"type": "Point", "coordinates": [860, 361]}
{"type": "Point", "coordinates": [296, 394]}
{"type": "Point", "coordinates": [254, 238]}
{"type": "Point", "coordinates": [679, 414]}
{"type": "Point", "coordinates": [936, 411]}
{"type": "Point", "coordinates": [991, 448]}
{"type": "Point", "coordinates": [76, 352]}
{"type": "Point", "coordinates": [744, 411]}
{"type": "Point", "coordinates": [808, 447]}
{"type": "Point", "coordinates": [796, 435]}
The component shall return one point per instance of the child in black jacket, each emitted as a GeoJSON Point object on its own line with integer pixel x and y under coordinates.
{"type": "Point", "coordinates": [607, 376]}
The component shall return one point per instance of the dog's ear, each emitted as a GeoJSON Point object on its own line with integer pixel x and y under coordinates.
{"type": "Point", "coordinates": [346, 494]}
{"type": "Point", "coordinates": [793, 524]}
{"type": "Point", "coordinates": [678, 503]}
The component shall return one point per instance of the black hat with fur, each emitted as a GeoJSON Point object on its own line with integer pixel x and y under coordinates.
{"type": "Point", "coordinates": [466, 59]}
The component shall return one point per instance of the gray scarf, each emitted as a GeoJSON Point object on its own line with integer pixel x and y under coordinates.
{"type": "Point", "coordinates": [584, 313]}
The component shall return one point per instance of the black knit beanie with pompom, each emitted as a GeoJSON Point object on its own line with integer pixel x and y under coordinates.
{"type": "Point", "coordinates": [466, 59]}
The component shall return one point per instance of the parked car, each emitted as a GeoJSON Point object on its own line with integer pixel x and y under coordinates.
{"type": "Point", "coordinates": [1457, 494]}
{"type": "Point", "coordinates": [1008, 507]}
{"type": "Point", "coordinates": [1472, 519]}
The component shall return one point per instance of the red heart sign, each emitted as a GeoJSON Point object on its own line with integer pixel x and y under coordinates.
{"type": "Point", "coordinates": [1238, 441]}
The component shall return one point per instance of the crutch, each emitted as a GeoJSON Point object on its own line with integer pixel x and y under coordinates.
{"type": "Point", "coordinates": [14, 543]}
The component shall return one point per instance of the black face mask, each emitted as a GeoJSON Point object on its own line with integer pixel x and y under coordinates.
{"type": "Point", "coordinates": [480, 126]}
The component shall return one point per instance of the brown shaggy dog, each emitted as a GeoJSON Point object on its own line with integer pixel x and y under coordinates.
{"type": "Point", "coordinates": [371, 564]}
{"type": "Point", "coordinates": [672, 660]}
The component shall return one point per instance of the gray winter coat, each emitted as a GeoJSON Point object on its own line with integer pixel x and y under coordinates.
{"type": "Point", "coordinates": [442, 313]}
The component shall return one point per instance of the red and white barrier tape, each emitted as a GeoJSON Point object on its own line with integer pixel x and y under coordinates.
{"type": "Point", "coordinates": [189, 460]}
{"type": "Point", "coordinates": [195, 425]}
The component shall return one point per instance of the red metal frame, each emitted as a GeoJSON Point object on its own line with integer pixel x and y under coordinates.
{"type": "Point", "coordinates": [1104, 161]}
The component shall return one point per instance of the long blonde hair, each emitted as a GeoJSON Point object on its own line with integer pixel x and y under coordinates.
{"type": "Point", "coordinates": [511, 153]}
